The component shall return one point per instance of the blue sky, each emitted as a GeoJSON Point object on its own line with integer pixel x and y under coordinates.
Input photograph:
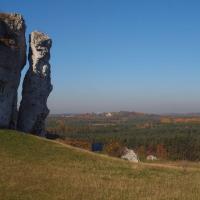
{"type": "Point", "coordinates": [112, 55]}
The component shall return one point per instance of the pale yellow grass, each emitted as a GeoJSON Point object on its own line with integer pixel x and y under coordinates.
{"type": "Point", "coordinates": [33, 168]}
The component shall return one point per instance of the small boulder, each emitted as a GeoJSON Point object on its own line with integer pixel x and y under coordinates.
{"type": "Point", "coordinates": [130, 155]}
{"type": "Point", "coordinates": [152, 157]}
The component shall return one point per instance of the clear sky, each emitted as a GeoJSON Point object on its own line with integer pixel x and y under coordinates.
{"type": "Point", "coordinates": [112, 55]}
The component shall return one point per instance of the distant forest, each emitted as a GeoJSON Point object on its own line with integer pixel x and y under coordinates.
{"type": "Point", "coordinates": [167, 137]}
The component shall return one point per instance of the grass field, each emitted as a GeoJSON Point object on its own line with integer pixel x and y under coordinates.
{"type": "Point", "coordinates": [32, 168]}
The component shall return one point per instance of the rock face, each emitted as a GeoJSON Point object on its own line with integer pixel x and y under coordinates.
{"type": "Point", "coordinates": [36, 86]}
{"type": "Point", "coordinates": [130, 155]}
{"type": "Point", "coordinates": [12, 61]}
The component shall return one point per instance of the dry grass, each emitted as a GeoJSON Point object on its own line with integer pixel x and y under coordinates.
{"type": "Point", "coordinates": [4, 16]}
{"type": "Point", "coordinates": [33, 168]}
{"type": "Point", "coordinates": [9, 16]}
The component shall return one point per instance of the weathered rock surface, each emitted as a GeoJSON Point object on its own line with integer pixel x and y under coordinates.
{"type": "Point", "coordinates": [12, 61]}
{"type": "Point", "coordinates": [36, 86]}
{"type": "Point", "coordinates": [130, 155]}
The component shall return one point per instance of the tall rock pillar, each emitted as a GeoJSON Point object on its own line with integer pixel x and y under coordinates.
{"type": "Point", "coordinates": [36, 86]}
{"type": "Point", "coordinates": [12, 61]}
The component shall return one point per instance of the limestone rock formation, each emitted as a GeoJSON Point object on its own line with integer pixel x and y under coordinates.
{"type": "Point", "coordinates": [36, 86]}
{"type": "Point", "coordinates": [130, 155]}
{"type": "Point", "coordinates": [12, 61]}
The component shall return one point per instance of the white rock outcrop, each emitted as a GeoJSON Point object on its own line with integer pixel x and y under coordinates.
{"type": "Point", "coordinates": [36, 86]}
{"type": "Point", "coordinates": [12, 61]}
{"type": "Point", "coordinates": [130, 155]}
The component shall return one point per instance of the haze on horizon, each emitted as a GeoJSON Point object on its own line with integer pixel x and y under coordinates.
{"type": "Point", "coordinates": [113, 55]}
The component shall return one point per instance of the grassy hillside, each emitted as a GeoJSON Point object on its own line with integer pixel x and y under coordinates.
{"type": "Point", "coordinates": [35, 168]}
